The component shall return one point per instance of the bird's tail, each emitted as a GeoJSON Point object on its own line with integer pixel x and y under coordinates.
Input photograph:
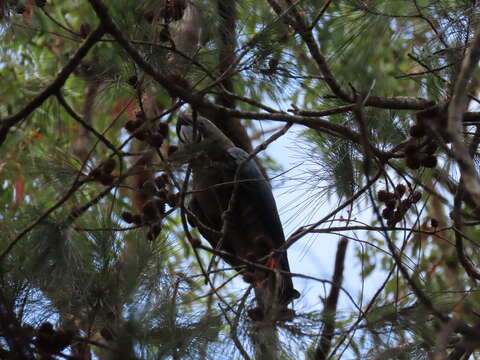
{"type": "Point", "coordinates": [274, 293]}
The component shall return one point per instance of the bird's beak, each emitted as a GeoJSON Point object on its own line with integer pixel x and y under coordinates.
{"type": "Point", "coordinates": [185, 130]}
{"type": "Point", "coordinates": [185, 133]}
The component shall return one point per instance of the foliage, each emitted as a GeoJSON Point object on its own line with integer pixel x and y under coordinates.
{"type": "Point", "coordinates": [96, 256]}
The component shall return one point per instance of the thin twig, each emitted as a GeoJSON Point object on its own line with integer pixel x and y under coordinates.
{"type": "Point", "coordinates": [260, 266]}
{"type": "Point", "coordinates": [319, 113]}
{"type": "Point", "coordinates": [320, 14]}
{"type": "Point", "coordinates": [55, 86]}
{"type": "Point", "coordinates": [70, 31]}
{"type": "Point", "coordinates": [234, 325]}
{"type": "Point", "coordinates": [455, 113]}
{"type": "Point", "coordinates": [301, 232]}
{"type": "Point", "coordinates": [397, 257]}
{"type": "Point", "coordinates": [330, 309]}
{"type": "Point", "coordinates": [78, 118]}
{"type": "Point", "coordinates": [457, 216]}
{"type": "Point", "coordinates": [318, 57]}
{"type": "Point", "coordinates": [75, 186]}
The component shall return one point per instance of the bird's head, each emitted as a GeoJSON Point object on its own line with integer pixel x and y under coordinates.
{"type": "Point", "coordinates": [200, 130]}
{"type": "Point", "coordinates": [201, 139]}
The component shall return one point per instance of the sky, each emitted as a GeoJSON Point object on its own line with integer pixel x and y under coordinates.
{"type": "Point", "coordinates": [314, 254]}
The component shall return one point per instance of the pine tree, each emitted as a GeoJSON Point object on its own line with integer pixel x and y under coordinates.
{"type": "Point", "coordinates": [378, 99]}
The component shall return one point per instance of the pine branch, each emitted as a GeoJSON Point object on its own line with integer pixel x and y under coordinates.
{"type": "Point", "coordinates": [86, 125]}
{"type": "Point", "coordinates": [456, 109]}
{"type": "Point", "coordinates": [330, 309]}
{"type": "Point", "coordinates": [54, 87]}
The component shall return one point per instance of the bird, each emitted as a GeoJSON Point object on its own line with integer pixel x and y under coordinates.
{"type": "Point", "coordinates": [230, 194]}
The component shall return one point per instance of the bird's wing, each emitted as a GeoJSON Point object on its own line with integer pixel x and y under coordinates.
{"type": "Point", "coordinates": [260, 191]}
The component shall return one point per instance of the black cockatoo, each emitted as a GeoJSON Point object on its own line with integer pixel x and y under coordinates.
{"type": "Point", "coordinates": [254, 229]}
